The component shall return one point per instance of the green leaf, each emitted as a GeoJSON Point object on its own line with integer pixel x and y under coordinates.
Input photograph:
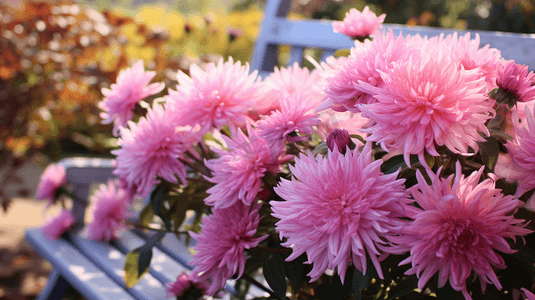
{"type": "Point", "coordinates": [294, 272]}
{"type": "Point", "coordinates": [145, 256]}
{"type": "Point", "coordinates": [489, 151]}
{"type": "Point", "coordinates": [321, 148]}
{"type": "Point", "coordinates": [274, 273]}
{"type": "Point", "coordinates": [392, 164]}
{"type": "Point", "coordinates": [403, 287]}
{"type": "Point", "coordinates": [131, 273]}
{"type": "Point", "coordinates": [361, 281]}
{"type": "Point", "coordinates": [156, 200]}
{"type": "Point", "coordinates": [337, 290]}
{"type": "Point", "coordinates": [146, 215]}
{"type": "Point", "coordinates": [447, 292]}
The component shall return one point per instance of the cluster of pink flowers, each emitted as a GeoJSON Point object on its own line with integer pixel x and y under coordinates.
{"type": "Point", "coordinates": [304, 150]}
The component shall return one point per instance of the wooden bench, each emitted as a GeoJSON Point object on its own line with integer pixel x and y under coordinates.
{"type": "Point", "coordinates": [96, 269]}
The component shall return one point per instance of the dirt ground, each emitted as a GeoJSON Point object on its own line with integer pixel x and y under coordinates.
{"type": "Point", "coordinates": [23, 273]}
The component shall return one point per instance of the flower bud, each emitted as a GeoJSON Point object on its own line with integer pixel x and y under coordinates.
{"type": "Point", "coordinates": [340, 138]}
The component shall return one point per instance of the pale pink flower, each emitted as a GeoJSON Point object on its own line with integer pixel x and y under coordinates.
{"type": "Point", "coordinates": [131, 87]}
{"type": "Point", "coordinates": [338, 209]}
{"type": "Point", "coordinates": [365, 65]}
{"type": "Point", "coordinates": [294, 116]}
{"type": "Point", "coordinates": [522, 151]}
{"type": "Point", "coordinates": [514, 80]}
{"type": "Point", "coordinates": [57, 225]}
{"type": "Point", "coordinates": [223, 94]}
{"type": "Point", "coordinates": [418, 108]}
{"type": "Point", "coordinates": [286, 81]}
{"type": "Point", "coordinates": [154, 147]}
{"type": "Point", "coordinates": [52, 179]}
{"type": "Point", "coordinates": [358, 24]}
{"type": "Point", "coordinates": [111, 203]}
{"type": "Point", "coordinates": [460, 226]}
{"type": "Point", "coordinates": [238, 172]}
{"type": "Point", "coordinates": [220, 249]}
{"type": "Point", "coordinates": [468, 53]}
{"type": "Point", "coordinates": [529, 295]}
{"type": "Point", "coordinates": [184, 285]}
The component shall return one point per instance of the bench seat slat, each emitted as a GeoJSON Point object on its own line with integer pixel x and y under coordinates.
{"type": "Point", "coordinates": [111, 261]}
{"type": "Point", "coordinates": [80, 272]}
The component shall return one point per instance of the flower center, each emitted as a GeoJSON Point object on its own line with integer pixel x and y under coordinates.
{"type": "Point", "coordinates": [458, 237]}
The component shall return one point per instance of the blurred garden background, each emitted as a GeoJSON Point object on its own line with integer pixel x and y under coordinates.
{"type": "Point", "coordinates": [57, 55]}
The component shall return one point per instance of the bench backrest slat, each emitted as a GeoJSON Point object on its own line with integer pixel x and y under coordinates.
{"type": "Point", "coordinates": [277, 30]}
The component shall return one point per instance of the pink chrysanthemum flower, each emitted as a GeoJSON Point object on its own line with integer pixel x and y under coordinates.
{"type": "Point", "coordinates": [220, 245]}
{"type": "Point", "coordinates": [238, 171]}
{"type": "Point", "coordinates": [57, 225]}
{"type": "Point", "coordinates": [223, 94]}
{"type": "Point", "coordinates": [358, 24]}
{"type": "Point", "coordinates": [339, 209]}
{"type": "Point", "coordinates": [131, 87]}
{"type": "Point", "coordinates": [153, 147]}
{"type": "Point", "coordinates": [418, 107]}
{"type": "Point", "coordinates": [365, 65]}
{"type": "Point", "coordinates": [522, 151]}
{"type": "Point", "coordinates": [461, 224]}
{"type": "Point", "coordinates": [286, 81]}
{"type": "Point", "coordinates": [471, 56]}
{"type": "Point", "coordinates": [186, 284]}
{"type": "Point", "coordinates": [51, 180]}
{"type": "Point", "coordinates": [514, 80]}
{"type": "Point", "coordinates": [295, 116]}
{"type": "Point", "coordinates": [111, 204]}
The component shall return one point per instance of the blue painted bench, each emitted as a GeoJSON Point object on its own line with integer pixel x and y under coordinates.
{"type": "Point", "coordinates": [96, 269]}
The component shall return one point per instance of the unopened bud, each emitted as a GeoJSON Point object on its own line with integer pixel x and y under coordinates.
{"type": "Point", "coordinates": [339, 138]}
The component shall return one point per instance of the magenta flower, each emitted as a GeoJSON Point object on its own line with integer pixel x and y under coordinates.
{"type": "Point", "coordinates": [111, 203]}
{"type": "Point", "coordinates": [339, 138]}
{"type": "Point", "coordinates": [365, 65]}
{"type": "Point", "coordinates": [220, 249]}
{"type": "Point", "coordinates": [358, 24]}
{"type": "Point", "coordinates": [57, 225]}
{"type": "Point", "coordinates": [461, 224]}
{"type": "Point", "coordinates": [529, 295]}
{"type": "Point", "coordinates": [514, 80]}
{"type": "Point", "coordinates": [51, 180]}
{"type": "Point", "coordinates": [223, 94]}
{"type": "Point", "coordinates": [184, 285]}
{"type": "Point", "coordinates": [286, 81]}
{"type": "Point", "coordinates": [238, 172]}
{"type": "Point", "coordinates": [131, 87]}
{"type": "Point", "coordinates": [522, 151]}
{"type": "Point", "coordinates": [295, 116]}
{"type": "Point", "coordinates": [338, 209]}
{"type": "Point", "coordinates": [418, 108]}
{"type": "Point", "coordinates": [152, 147]}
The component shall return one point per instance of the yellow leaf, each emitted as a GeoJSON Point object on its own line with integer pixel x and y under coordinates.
{"type": "Point", "coordinates": [131, 270]}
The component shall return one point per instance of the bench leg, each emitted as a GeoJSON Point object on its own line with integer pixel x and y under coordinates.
{"type": "Point", "coordinates": [55, 288]}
